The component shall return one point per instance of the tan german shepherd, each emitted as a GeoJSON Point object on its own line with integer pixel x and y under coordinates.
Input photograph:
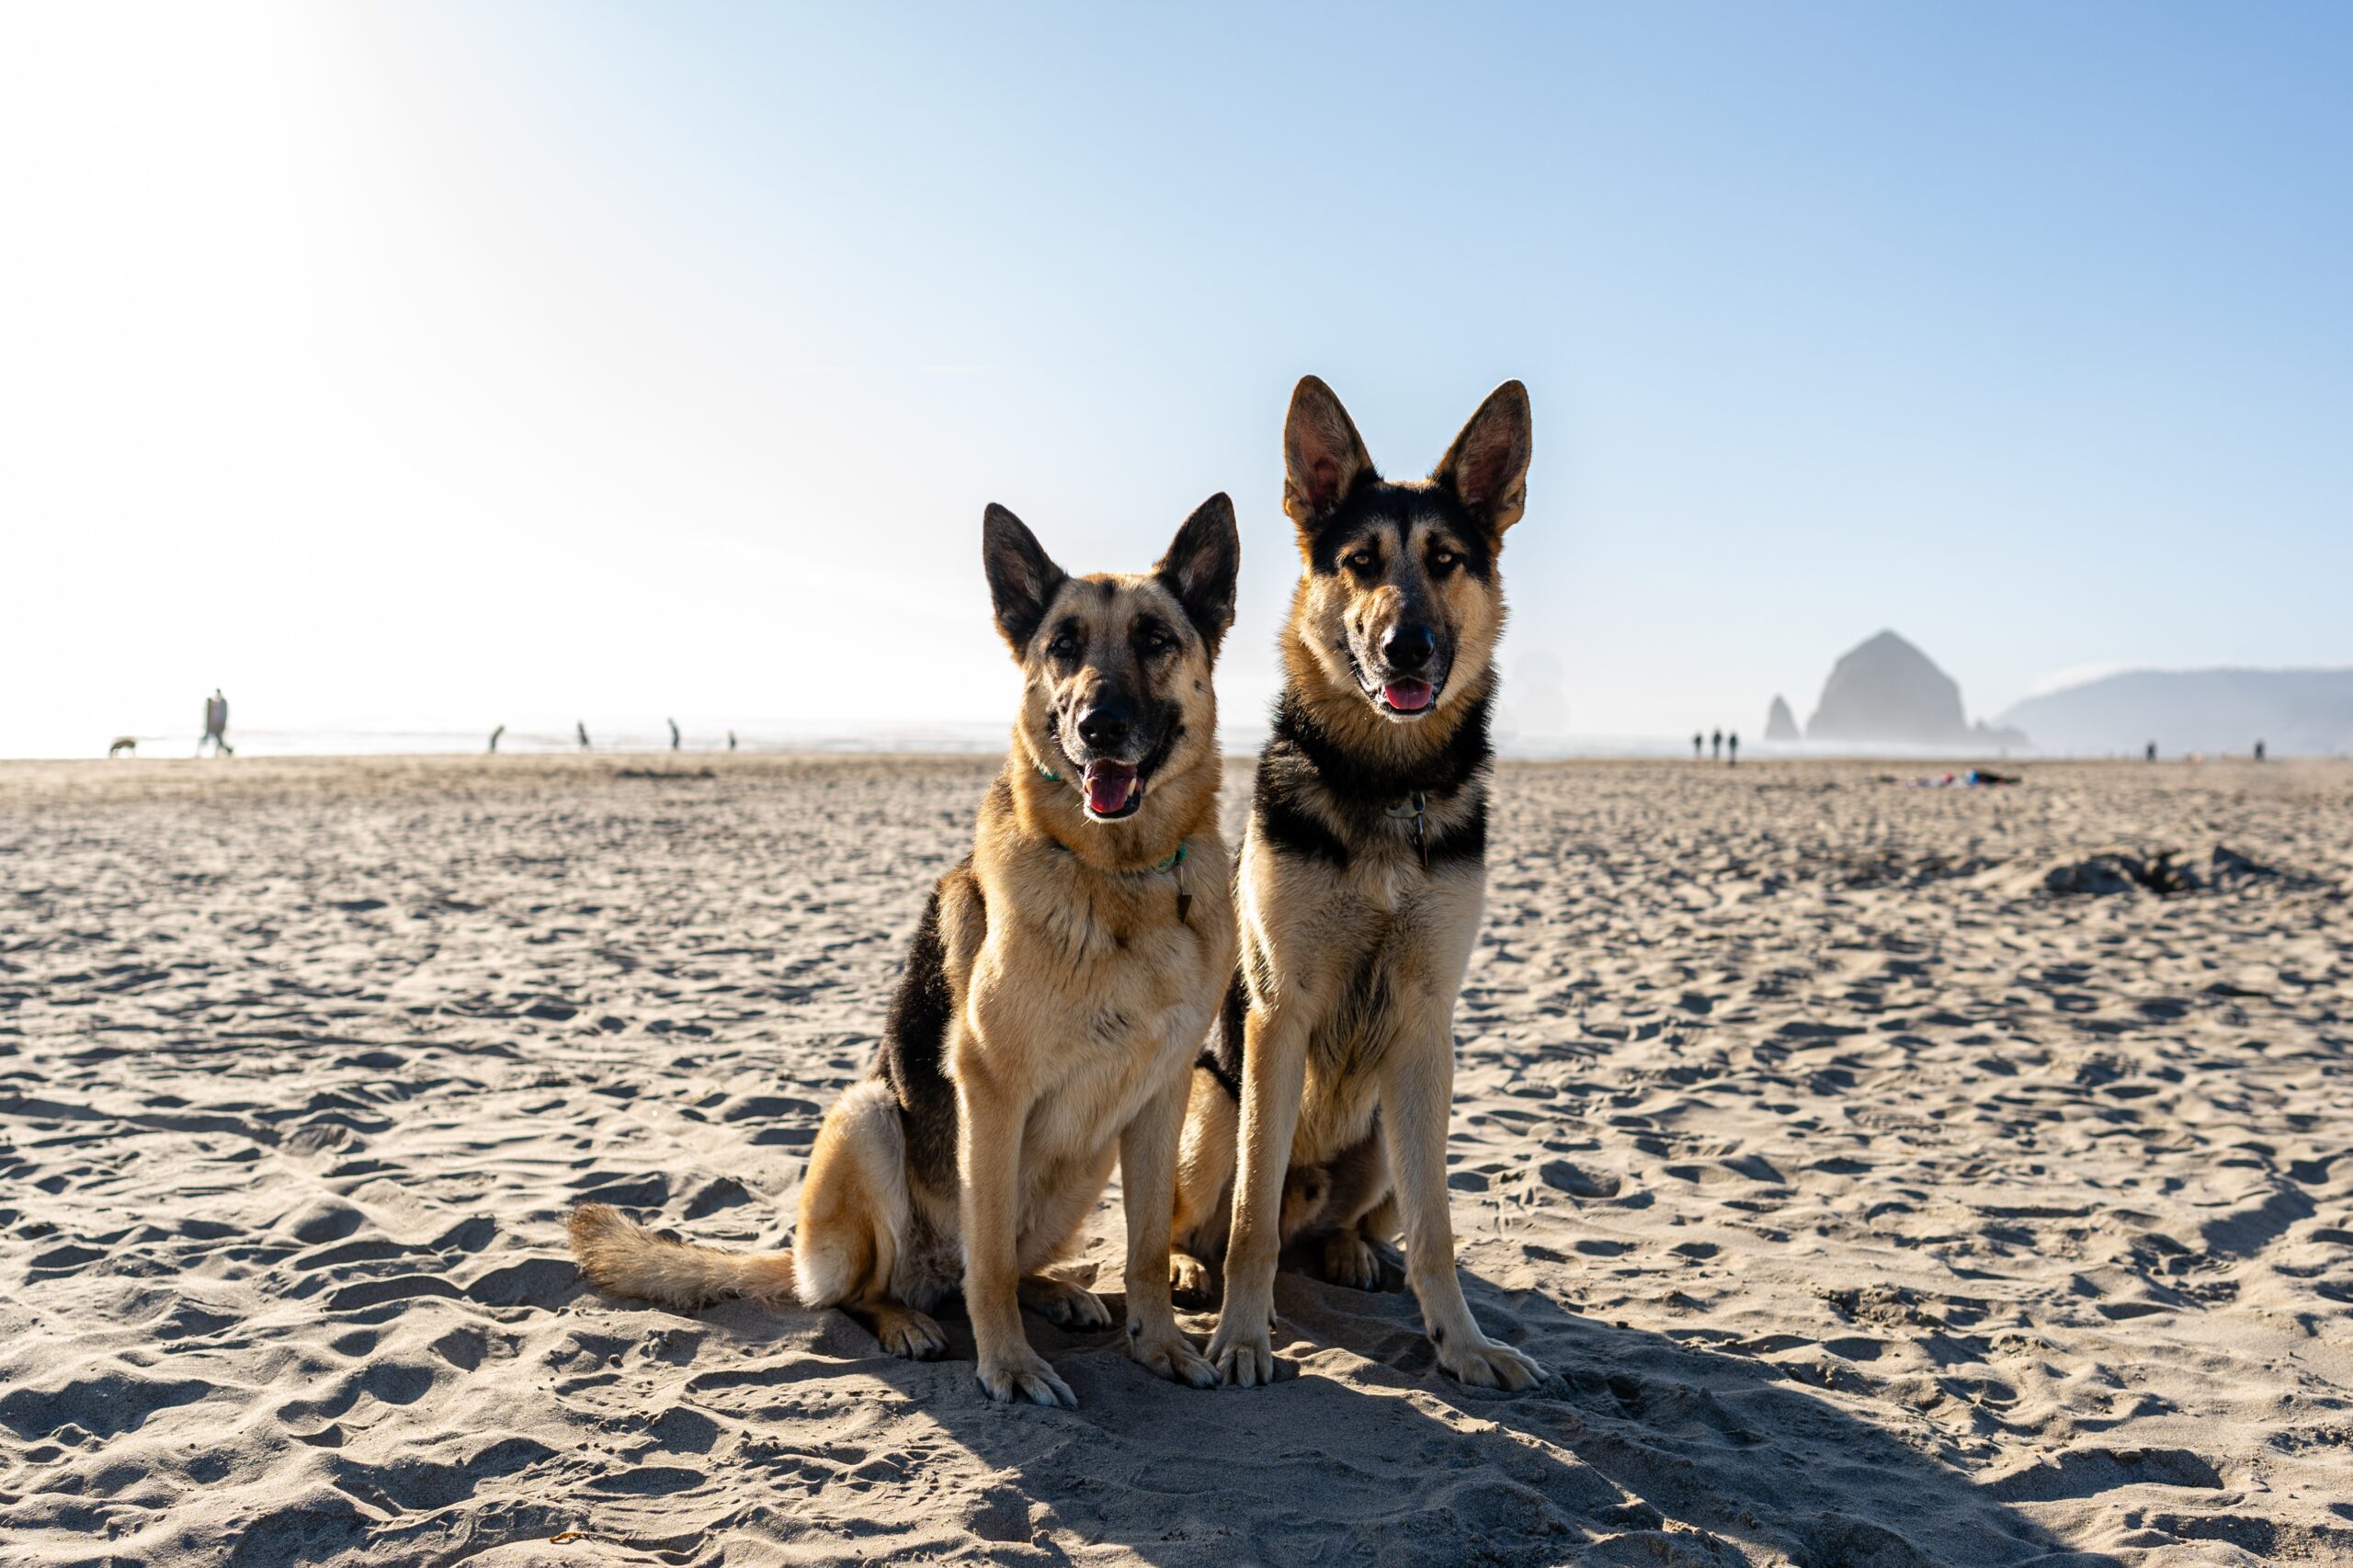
{"type": "Point", "coordinates": [1363, 876]}
{"type": "Point", "coordinates": [1058, 989]}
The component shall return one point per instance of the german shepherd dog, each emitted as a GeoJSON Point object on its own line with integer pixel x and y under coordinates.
{"type": "Point", "coordinates": [1361, 883]}
{"type": "Point", "coordinates": [1060, 987]}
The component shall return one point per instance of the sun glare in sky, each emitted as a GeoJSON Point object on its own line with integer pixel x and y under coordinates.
{"type": "Point", "coordinates": [432, 367]}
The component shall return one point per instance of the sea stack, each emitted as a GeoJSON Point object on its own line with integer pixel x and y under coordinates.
{"type": "Point", "coordinates": [1781, 724]}
{"type": "Point", "coordinates": [1887, 692]}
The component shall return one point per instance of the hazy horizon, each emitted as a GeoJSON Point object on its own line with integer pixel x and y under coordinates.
{"type": "Point", "coordinates": [435, 366]}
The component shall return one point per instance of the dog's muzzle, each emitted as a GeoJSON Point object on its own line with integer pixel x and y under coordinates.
{"type": "Point", "coordinates": [1397, 694]}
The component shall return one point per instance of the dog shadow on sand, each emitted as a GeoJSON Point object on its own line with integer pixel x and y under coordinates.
{"type": "Point", "coordinates": [1641, 1449]}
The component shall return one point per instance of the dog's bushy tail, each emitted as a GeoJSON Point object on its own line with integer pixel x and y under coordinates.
{"type": "Point", "coordinates": [623, 1258]}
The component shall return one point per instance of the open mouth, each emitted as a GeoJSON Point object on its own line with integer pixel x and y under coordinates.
{"type": "Point", "coordinates": [1407, 695]}
{"type": "Point", "coordinates": [1113, 790]}
{"type": "Point", "coordinates": [1110, 789]}
{"type": "Point", "coordinates": [1400, 696]}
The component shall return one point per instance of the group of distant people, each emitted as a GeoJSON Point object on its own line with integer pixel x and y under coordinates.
{"type": "Point", "coordinates": [580, 729]}
{"type": "Point", "coordinates": [216, 732]}
{"type": "Point", "coordinates": [1724, 746]}
{"type": "Point", "coordinates": [2151, 754]}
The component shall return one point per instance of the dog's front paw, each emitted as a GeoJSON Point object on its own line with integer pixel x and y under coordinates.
{"type": "Point", "coordinates": [1024, 1375]}
{"type": "Point", "coordinates": [1243, 1349]}
{"type": "Point", "coordinates": [1348, 1260]}
{"type": "Point", "coordinates": [1190, 1281]}
{"type": "Point", "coordinates": [1170, 1355]}
{"type": "Point", "coordinates": [1064, 1304]}
{"type": "Point", "coordinates": [1481, 1363]}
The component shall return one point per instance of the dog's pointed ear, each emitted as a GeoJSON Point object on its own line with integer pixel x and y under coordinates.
{"type": "Point", "coordinates": [1023, 579]}
{"type": "Point", "coordinates": [1487, 466]}
{"type": "Point", "coordinates": [1324, 457]}
{"type": "Point", "coordinates": [1202, 565]}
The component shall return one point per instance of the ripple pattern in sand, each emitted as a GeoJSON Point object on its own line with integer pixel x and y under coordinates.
{"type": "Point", "coordinates": [1879, 1200]}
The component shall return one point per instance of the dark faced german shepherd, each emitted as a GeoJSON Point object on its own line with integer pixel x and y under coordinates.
{"type": "Point", "coordinates": [1060, 987]}
{"type": "Point", "coordinates": [1362, 879]}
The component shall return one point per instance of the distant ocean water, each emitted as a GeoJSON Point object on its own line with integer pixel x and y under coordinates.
{"type": "Point", "coordinates": [1240, 739]}
{"type": "Point", "coordinates": [542, 739]}
{"type": "Point", "coordinates": [541, 736]}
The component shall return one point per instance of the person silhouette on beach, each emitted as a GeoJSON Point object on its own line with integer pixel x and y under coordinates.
{"type": "Point", "coordinates": [1732, 749]}
{"type": "Point", "coordinates": [1699, 744]}
{"type": "Point", "coordinates": [2258, 750]}
{"type": "Point", "coordinates": [1716, 745]}
{"type": "Point", "coordinates": [493, 739]}
{"type": "Point", "coordinates": [216, 726]}
{"type": "Point", "coordinates": [581, 727]}
{"type": "Point", "coordinates": [731, 740]}
{"type": "Point", "coordinates": [674, 732]}
{"type": "Point", "coordinates": [2151, 755]}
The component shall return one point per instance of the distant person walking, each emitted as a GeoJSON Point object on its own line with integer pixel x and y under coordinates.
{"type": "Point", "coordinates": [216, 726]}
{"type": "Point", "coordinates": [2151, 755]}
{"type": "Point", "coordinates": [493, 739]}
{"type": "Point", "coordinates": [1698, 744]}
{"type": "Point", "coordinates": [674, 732]}
{"type": "Point", "coordinates": [2258, 750]}
{"type": "Point", "coordinates": [1716, 745]}
{"type": "Point", "coordinates": [581, 727]}
{"type": "Point", "coordinates": [731, 740]}
{"type": "Point", "coordinates": [1732, 749]}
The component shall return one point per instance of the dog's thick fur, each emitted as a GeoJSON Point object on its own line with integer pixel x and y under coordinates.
{"type": "Point", "coordinates": [1058, 991]}
{"type": "Point", "coordinates": [1362, 881]}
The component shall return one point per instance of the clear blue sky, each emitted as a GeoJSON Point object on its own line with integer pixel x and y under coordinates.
{"type": "Point", "coordinates": [457, 364]}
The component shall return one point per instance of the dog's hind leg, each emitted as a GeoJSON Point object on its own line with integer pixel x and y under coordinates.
{"type": "Point", "coordinates": [1051, 1236]}
{"type": "Point", "coordinates": [1378, 1230]}
{"type": "Point", "coordinates": [853, 1217]}
{"type": "Point", "coordinates": [856, 1212]}
{"type": "Point", "coordinates": [1148, 1177]}
{"type": "Point", "coordinates": [1197, 1259]}
{"type": "Point", "coordinates": [902, 1330]}
{"type": "Point", "coordinates": [1204, 1204]}
{"type": "Point", "coordinates": [1063, 1303]}
{"type": "Point", "coordinates": [1358, 1192]}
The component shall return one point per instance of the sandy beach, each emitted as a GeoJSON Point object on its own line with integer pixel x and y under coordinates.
{"type": "Point", "coordinates": [1889, 1180]}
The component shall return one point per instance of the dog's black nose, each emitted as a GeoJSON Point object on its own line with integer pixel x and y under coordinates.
{"type": "Point", "coordinates": [1408, 647]}
{"type": "Point", "coordinates": [1103, 727]}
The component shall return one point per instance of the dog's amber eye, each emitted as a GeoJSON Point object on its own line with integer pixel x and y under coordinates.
{"type": "Point", "coordinates": [1064, 646]}
{"type": "Point", "coordinates": [1361, 559]}
{"type": "Point", "coordinates": [1444, 559]}
{"type": "Point", "coordinates": [1157, 641]}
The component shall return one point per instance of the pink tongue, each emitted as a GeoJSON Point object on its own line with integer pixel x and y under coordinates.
{"type": "Point", "coordinates": [1407, 695]}
{"type": "Point", "coordinates": [1108, 785]}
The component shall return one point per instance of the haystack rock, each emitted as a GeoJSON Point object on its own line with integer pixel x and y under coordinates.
{"type": "Point", "coordinates": [1888, 692]}
{"type": "Point", "coordinates": [1781, 724]}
